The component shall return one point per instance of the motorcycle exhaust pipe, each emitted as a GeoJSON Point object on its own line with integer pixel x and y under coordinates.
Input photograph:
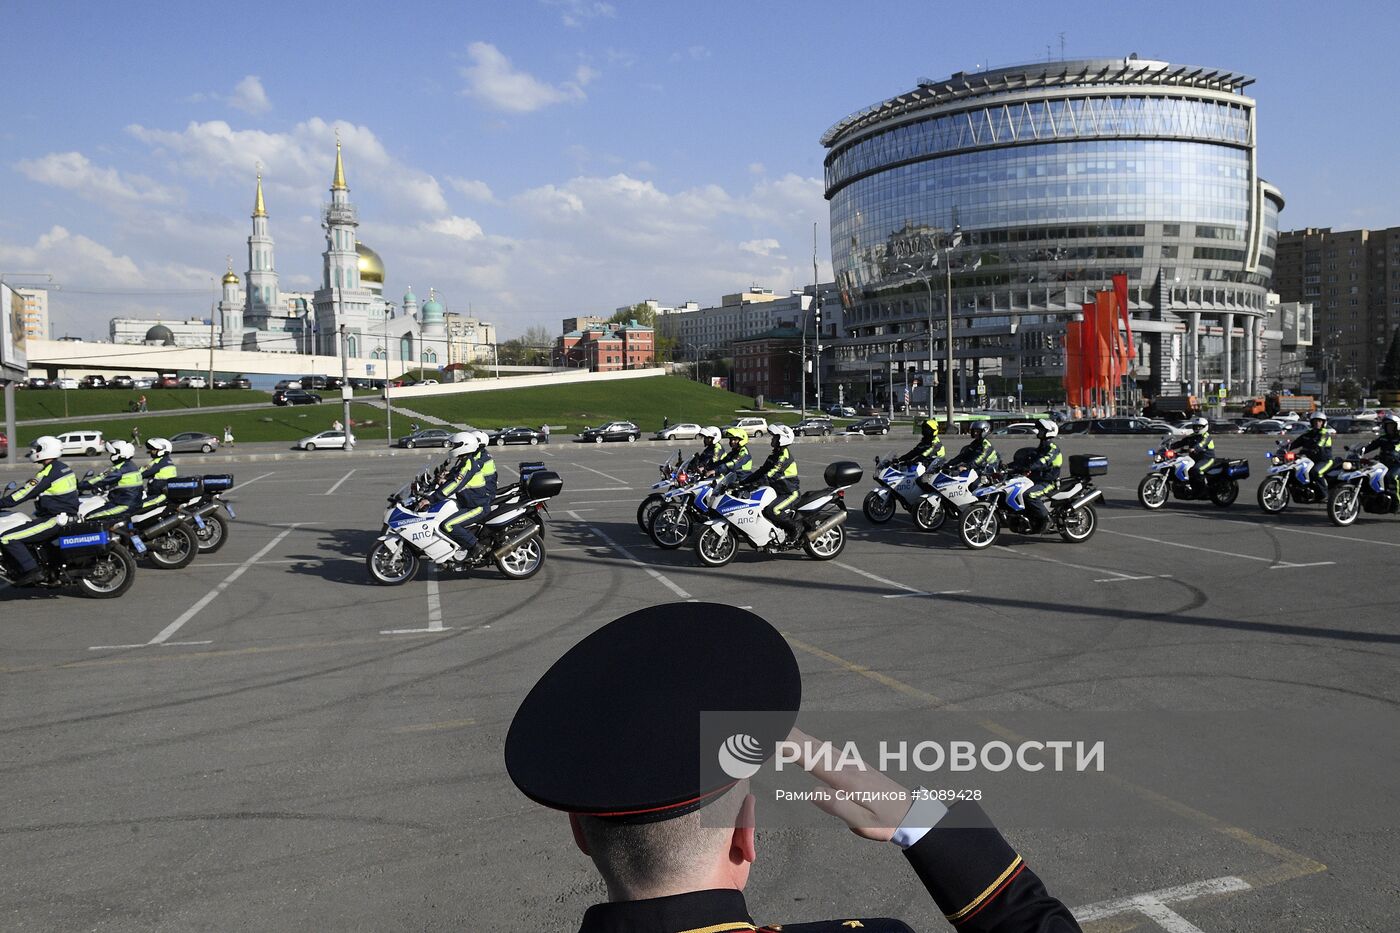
{"type": "Point", "coordinates": [162, 526]}
{"type": "Point", "coordinates": [504, 550]}
{"type": "Point", "coordinates": [1096, 494]}
{"type": "Point", "coordinates": [206, 508]}
{"type": "Point", "coordinates": [838, 519]}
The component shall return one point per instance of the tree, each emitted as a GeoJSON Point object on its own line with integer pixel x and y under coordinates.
{"type": "Point", "coordinates": [1390, 369]}
{"type": "Point", "coordinates": [533, 348]}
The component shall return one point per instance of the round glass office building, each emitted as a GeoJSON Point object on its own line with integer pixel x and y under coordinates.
{"type": "Point", "coordinates": [1054, 177]}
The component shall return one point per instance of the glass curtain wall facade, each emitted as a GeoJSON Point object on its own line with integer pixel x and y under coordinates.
{"type": "Point", "coordinates": [1058, 176]}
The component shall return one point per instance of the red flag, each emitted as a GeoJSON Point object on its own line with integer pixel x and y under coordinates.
{"type": "Point", "coordinates": [1106, 317]}
{"type": "Point", "coordinates": [1088, 362]}
{"type": "Point", "coordinates": [1120, 288]}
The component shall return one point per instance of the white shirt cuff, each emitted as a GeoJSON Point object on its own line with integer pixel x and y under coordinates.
{"type": "Point", "coordinates": [924, 814]}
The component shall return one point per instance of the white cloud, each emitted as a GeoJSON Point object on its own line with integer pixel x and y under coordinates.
{"type": "Point", "coordinates": [574, 13]}
{"type": "Point", "coordinates": [764, 247]}
{"type": "Point", "coordinates": [463, 228]}
{"type": "Point", "coordinates": [74, 172]}
{"type": "Point", "coordinates": [472, 188]}
{"type": "Point", "coordinates": [248, 95]}
{"type": "Point", "coordinates": [492, 80]}
{"type": "Point", "coordinates": [298, 162]}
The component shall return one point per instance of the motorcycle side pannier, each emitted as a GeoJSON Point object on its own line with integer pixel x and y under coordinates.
{"type": "Point", "coordinates": [529, 468]}
{"type": "Point", "coordinates": [1084, 466]}
{"type": "Point", "coordinates": [81, 538]}
{"type": "Point", "coordinates": [543, 484]}
{"type": "Point", "coordinates": [184, 488]}
{"type": "Point", "coordinates": [842, 473]}
{"type": "Point", "coordinates": [1237, 469]}
{"type": "Point", "coordinates": [218, 482]}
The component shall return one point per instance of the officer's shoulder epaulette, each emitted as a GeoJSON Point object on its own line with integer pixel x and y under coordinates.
{"type": "Point", "coordinates": [864, 924]}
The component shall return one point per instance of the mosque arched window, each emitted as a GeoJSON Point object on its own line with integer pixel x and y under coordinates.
{"type": "Point", "coordinates": [351, 346]}
{"type": "Point", "coordinates": [406, 348]}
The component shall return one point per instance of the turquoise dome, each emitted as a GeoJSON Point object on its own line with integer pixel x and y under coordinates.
{"type": "Point", "coordinates": [431, 311]}
{"type": "Point", "coordinates": [409, 298]}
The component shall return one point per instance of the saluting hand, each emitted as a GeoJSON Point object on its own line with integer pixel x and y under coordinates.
{"type": "Point", "coordinates": [871, 804]}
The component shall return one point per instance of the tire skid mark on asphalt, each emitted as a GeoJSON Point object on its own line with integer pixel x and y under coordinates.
{"type": "Point", "coordinates": [1117, 576]}
{"type": "Point", "coordinates": [628, 556]}
{"type": "Point", "coordinates": [1274, 563]}
{"type": "Point", "coordinates": [1290, 865]}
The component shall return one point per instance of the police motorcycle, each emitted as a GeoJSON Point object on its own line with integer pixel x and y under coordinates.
{"type": "Point", "coordinates": [672, 476]}
{"type": "Point", "coordinates": [737, 516]}
{"type": "Point", "coordinates": [1170, 475]}
{"type": "Point", "coordinates": [897, 485]}
{"type": "Point", "coordinates": [1360, 486]}
{"type": "Point", "coordinates": [83, 555]}
{"type": "Point", "coordinates": [511, 531]}
{"type": "Point", "coordinates": [1287, 480]}
{"type": "Point", "coordinates": [201, 500]}
{"type": "Point", "coordinates": [163, 535]}
{"type": "Point", "coordinates": [1003, 504]}
{"type": "Point", "coordinates": [681, 509]}
{"type": "Point", "coordinates": [947, 492]}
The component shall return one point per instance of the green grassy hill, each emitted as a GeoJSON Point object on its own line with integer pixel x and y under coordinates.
{"type": "Point", "coordinates": [33, 404]}
{"type": "Point", "coordinates": [568, 409]}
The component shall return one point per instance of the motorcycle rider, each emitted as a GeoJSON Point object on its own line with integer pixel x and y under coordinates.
{"type": "Point", "coordinates": [780, 472]}
{"type": "Point", "coordinates": [1316, 444]}
{"type": "Point", "coordinates": [1200, 447]}
{"type": "Point", "coordinates": [978, 453]}
{"type": "Point", "coordinates": [157, 473]}
{"type": "Point", "coordinates": [54, 492]}
{"type": "Point", "coordinates": [1388, 446]}
{"type": "Point", "coordinates": [472, 481]}
{"type": "Point", "coordinates": [122, 478]}
{"type": "Point", "coordinates": [703, 459]}
{"type": "Point", "coordinates": [1043, 467]}
{"type": "Point", "coordinates": [737, 461]}
{"type": "Point", "coordinates": [927, 451]}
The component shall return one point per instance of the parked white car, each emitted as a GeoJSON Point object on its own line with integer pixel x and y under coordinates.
{"type": "Point", "coordinates": [86, 443]}
{"type": "Point", "coordinates": [67, 383]}
{"type": "Point", "coordinates": [679, 432]}
{"type": "Point", "coordinates": [326, 440]}
{"type": "Point", "coordinates": [756, 427]}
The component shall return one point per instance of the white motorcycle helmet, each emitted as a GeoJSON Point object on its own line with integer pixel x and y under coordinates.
{"type": "Point", "coordinates": [1317, 416]}
{"type": "Point", "coordinates": [710, 434]}
{"type": "Point", "coordinates": [1047, 428]}
{"type": "Point", "coordinates": [45, 448]}
{"type": "Point", "coordinates": [158, 447]}
{"type": "Point", "coordinates": [464, 443]}
{"type": "Point", "coordinates": [1199, 424]}
{"type": "Point", "coordinates": [782, 435]}
{"type": "Point", "coordinates": [119, 451]}
{"type": "Point", "coordinates": [483, 438]}
{"type": "Point", "coordinates": [1393, 421]}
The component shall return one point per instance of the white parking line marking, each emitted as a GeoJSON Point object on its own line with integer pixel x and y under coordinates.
{"type": "Point", "coordinates": [228, 581]}
{"type": "Point", "coordinates": [434, 614]}
{"type": "Point", "coordinates": [1316, 534]}
{"type": "Point", "coordinates": [600, 473]}
{"type": "Point", "coordinates": [1153, 904]}
{"type": "Point", "coordinates": [659, 577]}
{"type": "Point", "coordinates": [917, 593]}
{"type": "Point", "coordinates": [1274, 565]}
{"type": "Point", "coordinates": [256, 478]}
{"type": "Point", "coordinates": [605, 489]}
{"type": "Point", "coordinates": [337, 483]}
{"type": "Point", "coordinates": [908, 590]}
{"type": "Point", "coordinates": [1115, 578]}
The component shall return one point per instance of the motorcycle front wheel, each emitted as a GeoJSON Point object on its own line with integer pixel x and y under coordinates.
{"type": "Point", "coordinates": [714, 548]}
{"type": "Point", "coordinates": [877, 508]}
{"type": "Point", "coordinates": [978, 527]}
{"type": "Point", "coordinates": [826, 545]}
{"type": "Point", "coordinates": [174, 549]}
{"type": "Point", "coordinates": [647, 509]}
{"type": "Point", "coordinates": [110, 576]}
{"type": "Point", "coordinates": [1343, 505]}
{"type": "Point", "coordinates": [670, 526]}
{"type": "Point", "coordinates": [1224, 496]}
{"type": "Point", "coordinates": [1273, 494]}
{"type": "Point", "coordinates": [1078, 524]}
{"type": "Point", "coordinates": [389, 569]}
{"type": "Point", "coordinates": [930, 514]}
{"type": "Point", "coordinates": [1153, 491]}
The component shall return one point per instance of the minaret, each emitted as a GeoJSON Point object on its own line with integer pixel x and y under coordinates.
{"type": "Point", "coordinates": [231, 312]}
{"type": "Point", "coordinates": [263, 300]}
{"type": "Point", "coordinates": [340, 300]}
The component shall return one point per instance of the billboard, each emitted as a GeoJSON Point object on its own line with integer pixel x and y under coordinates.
{"type": "Point", "coordinates": [12, 349]}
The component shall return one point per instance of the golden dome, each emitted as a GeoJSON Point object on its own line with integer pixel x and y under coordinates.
{"type": "Point", "coordinates": [230, 278]}
{"type": "Point", "coordinates": [371, 266]}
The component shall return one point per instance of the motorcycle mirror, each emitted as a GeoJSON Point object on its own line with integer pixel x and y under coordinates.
{"type": "Point", "coordinates": [87, 474]}
{"type": "Point", "coordinates": [11, 485]}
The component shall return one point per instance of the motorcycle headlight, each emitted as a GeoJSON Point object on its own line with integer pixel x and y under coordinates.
{"type": "Point", "coordinates": [1347, 465]}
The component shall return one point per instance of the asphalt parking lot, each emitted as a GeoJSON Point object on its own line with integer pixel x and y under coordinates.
{"type": "Point", "coordinates": [266, 741]}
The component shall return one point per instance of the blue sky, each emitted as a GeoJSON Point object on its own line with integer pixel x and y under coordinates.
{"type": "Point", "coordinates": [541, 158]}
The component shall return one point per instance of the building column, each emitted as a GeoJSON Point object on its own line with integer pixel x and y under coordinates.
{"type": "Point", "coordinates": [1228, 325]}
{"type": "Point", "coordinates": [1193, 349]}
{"type": "Point", "coordinates": [1251, 355]}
